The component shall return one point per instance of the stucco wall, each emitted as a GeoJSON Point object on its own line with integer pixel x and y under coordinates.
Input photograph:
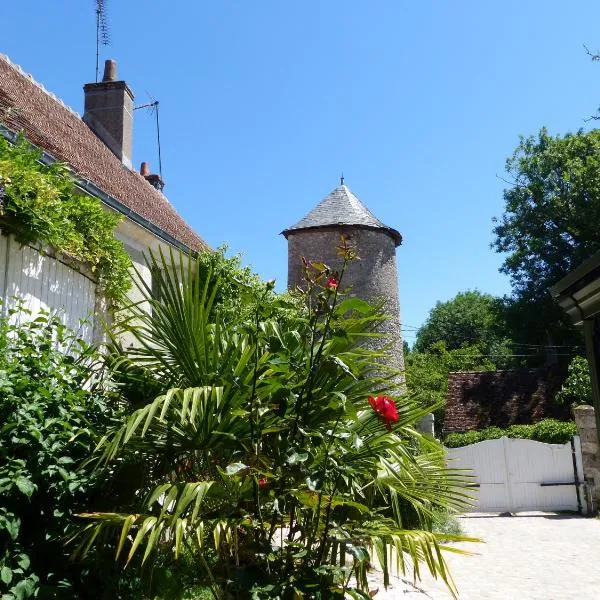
{"type": "Point", "coordinates": [372, 278]}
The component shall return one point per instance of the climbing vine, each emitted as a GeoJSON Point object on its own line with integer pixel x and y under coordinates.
{"type": "Point", "coordinates": [40, 203]}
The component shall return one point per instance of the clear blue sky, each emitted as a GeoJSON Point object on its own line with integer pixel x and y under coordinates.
{"type": "Point", "coordinates": [264, 103]}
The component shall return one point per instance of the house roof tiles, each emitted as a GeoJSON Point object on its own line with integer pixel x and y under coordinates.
{"type": "Point", "coordinates": [52, 126]}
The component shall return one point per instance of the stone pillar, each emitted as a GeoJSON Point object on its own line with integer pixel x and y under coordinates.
{"type": "Point", "coordinates": [590, 451]}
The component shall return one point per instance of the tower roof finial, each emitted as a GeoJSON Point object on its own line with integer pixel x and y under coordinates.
{"type": "Point", "coordinates": [342, 179]}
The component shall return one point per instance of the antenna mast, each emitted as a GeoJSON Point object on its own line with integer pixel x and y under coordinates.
{"type": "Point", "coordinates": [153, 106]}
{"type": "Point", "coordinates": [102, 31]}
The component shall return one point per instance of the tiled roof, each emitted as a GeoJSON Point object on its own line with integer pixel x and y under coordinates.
{"type": "Point", "coordinates": [52, 126]}
{"type": "Point", "coordinates": [342, 207]}
{"type": "Point", "coordinates": [477, 400]}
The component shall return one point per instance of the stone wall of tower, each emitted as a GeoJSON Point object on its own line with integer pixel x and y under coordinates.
{"type": "Point", "coordinates": [373, 277]}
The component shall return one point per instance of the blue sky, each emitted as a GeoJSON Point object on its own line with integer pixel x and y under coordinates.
{"type": "Point", "coordinates": [264, 103]}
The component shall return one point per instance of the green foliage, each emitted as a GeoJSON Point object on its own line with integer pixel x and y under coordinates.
{"type": "Point", "coordinates": [445, 521]}
{"type": "Point", "coordinates": [49, 415]}
{"type": "Point", "coordinates": [552, 431]}
{"type": "Point", "coordinates": [549, 226]}
{"type": "Point", "coordinates": [577, 388]}
{"type": "Point", "coordinates": [427, 373]}
{"type": "Point", "coordinates": [41, 204]}
{"type": "Point", "coordinates": [239, 289]}
{"type": "Point", "coordinates": [549, 431]}
{"type": "Point", "coordinates": [455, 440]}
{"type": "Point", "coordinates": [470, 318]}
{"type": "Point", "coordinates": [258, 451]}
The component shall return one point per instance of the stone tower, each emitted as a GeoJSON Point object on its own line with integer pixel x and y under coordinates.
{"type": "Point", "coordinates": [373, 277]}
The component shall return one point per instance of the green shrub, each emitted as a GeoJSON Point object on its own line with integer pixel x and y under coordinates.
{"type": "Point", "coordinates": [445, 521]}
{"type": "Point", "coordinates": [493, 433]}
{"type": "Point", "coordinates": [554, 432]}
{"type": "Point", "coordinates": [519, 431]}
{"type": "Point", "coordinates": [454, 440]}
{"type": "Point", "coordinates": [549, 431]}
{"type": "Point", "coordinates": [49, 416]}
{"type": "Point", "coordinates": [577, 388]}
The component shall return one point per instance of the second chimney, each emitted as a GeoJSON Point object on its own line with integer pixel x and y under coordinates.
{"type": "Point", "coordinates": [108, 112]}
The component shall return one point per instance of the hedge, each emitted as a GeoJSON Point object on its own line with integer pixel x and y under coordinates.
{"type": "Point", "coordinates": [550, 431]}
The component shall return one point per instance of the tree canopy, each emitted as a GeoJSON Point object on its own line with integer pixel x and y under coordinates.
{"type": "Point", "coordinates": [471, 317]}
{"type": "Point", "coordinates": [549, 225]}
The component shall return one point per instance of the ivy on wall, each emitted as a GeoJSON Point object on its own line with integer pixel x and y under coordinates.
{"type": "Point", "coordinates": [40, 203]}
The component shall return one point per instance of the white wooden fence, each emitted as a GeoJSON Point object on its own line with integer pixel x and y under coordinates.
{"type": "Point", "coordinates": [513, 475]}
{"type": "Point", "coordinates": [44, 282]}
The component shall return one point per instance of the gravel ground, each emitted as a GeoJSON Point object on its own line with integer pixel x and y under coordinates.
{"type": "Point", "coordinates": [531, 556]}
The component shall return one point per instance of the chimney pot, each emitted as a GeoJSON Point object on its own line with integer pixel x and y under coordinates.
{"type": "Point", "coordinates": [110, 70]}
{"type": "Point", "coordinates": [145, 169]}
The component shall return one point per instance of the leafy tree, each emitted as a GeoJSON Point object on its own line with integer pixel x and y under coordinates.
{"type": "Point", "coordinates": [470, 318]}
{"type": "Point", "coordinates": [549, 226]}
{"type": "Point", "coordinates": [577, 388]}
{"type": "Point", "coordinates": [263, 454]}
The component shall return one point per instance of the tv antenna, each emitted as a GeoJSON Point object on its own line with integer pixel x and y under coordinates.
{"type": "Point", "coordinates": [102, 31]}
{"type": "Point", "coordinates": [152, 106]}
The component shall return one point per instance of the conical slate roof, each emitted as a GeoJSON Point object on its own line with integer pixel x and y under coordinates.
{"type": "Point", "coordinates": [342, 207]}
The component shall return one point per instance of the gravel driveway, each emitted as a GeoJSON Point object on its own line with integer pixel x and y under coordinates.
{"type": "Point", "coordinates": [532, 556]}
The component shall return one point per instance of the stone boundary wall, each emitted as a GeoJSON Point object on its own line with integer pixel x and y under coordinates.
{"type": "Point", "coordinates": [590, 451]}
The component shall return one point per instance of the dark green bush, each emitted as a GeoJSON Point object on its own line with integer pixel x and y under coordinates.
{"type": "Point", "coordinates": [519, 431]}
{"type": "Point", "coordinates": [49, 417]}
{"type": "Point", "coordinates": [550, 431]}
{"type": "Point", "coordinates": [455, 440]}
{"type": "Point", "coordinates": [554, 432]}
{"type": "Point", "coordinates": [493, 433]}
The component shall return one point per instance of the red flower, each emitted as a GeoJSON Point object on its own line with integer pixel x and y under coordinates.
{"type": "Point", "coordinates": [385, 407]}
{"type": "Point", "coordinates": [332, 283]}
{"type": "Point", "coordinates": [262, 482]}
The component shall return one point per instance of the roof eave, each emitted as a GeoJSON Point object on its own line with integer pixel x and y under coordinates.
{"type": "Point", "coordinates": [578, 293]}
{"type": "Point", "coordinates": [393, 233]}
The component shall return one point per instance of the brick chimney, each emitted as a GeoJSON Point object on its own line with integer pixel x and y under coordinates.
{"type": "Point", "coordinates": [108, 112]}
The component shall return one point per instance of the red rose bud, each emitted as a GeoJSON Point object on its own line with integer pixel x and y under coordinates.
{"type": "Point", "coordinates": [262, 482]}
{"type": "Point", "coordinates": [385, 407]}
{"type": "Point", "coordinates": [332, 283]}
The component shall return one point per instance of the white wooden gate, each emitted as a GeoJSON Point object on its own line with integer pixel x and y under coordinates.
{"type": "Point", "coordinates": [514, 475]}
{"type": "Point", "coordinates": [43, 282]}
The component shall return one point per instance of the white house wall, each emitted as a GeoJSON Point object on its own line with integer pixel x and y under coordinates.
{"type": "Point", "coordinates": [44, 283]}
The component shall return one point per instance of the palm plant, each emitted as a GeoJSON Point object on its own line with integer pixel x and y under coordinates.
{"type": "Point", "coordinates": [261, 451]}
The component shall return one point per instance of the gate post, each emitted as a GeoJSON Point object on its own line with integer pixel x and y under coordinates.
{"type": "Point", "coordinates": [590, 454]}
{"type": "Point", "coordinates": [505, 441]}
